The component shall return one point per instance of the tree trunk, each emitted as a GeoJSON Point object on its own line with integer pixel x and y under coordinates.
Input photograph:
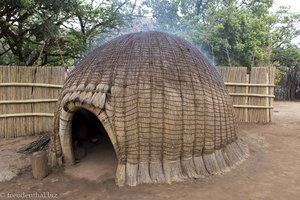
{"type": "Point", "coordinates": [228, 57]}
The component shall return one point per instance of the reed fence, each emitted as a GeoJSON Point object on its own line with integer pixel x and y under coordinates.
{"type": "Point", "coordinates": [28, 97]}
{"type": "Point", "coordinates": [252, 94]}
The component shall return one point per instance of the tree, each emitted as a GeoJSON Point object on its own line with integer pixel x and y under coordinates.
{"type": "Point", "coordinates": [24, 25]}
{"type": "Point", "coordinates": [231, 32]}
{"type": "Point", "coordinates": [286, 51]}
{"type": "Point", "coordinates": [54, 32]}
{"type": "Point", "coordinates": [237, 33]}
{"type": "Point", "coordinates": [288, 59]}
{"type": "Point", "coordinates": [166, 14]}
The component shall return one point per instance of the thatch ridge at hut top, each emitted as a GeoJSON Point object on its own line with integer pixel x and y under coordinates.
{"type": "Point", "coordinates": [163, 105]}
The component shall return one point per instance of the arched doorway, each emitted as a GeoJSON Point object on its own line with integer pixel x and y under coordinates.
{"type": "Point", "coordinates": [88, 143]}
{"type": "Point", "coordinates": [87, 133]}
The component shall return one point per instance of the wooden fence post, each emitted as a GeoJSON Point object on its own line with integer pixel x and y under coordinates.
{"type": "Point", "coordinates": [271, 92]}
{"type": "Point", "coordinates": [247, 100]}
{"type": "Point", "coordinates": [267, 98]}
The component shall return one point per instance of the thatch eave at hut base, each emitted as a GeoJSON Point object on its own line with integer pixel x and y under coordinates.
{"type": "Point", "coordinates": [162, 104]}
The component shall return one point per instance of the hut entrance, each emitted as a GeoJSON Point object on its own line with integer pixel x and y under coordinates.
{"type": "Point", "coordinates": [87, 132]}
{"type": "Point", "coordinates": [92, 149]}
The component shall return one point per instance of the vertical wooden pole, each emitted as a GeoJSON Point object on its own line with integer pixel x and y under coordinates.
{"type": "Point", "coordinates": [246, 99]}
{"type": "Point", "coordinates": [267, 98]}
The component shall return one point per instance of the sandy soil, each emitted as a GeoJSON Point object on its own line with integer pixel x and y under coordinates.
{"type": "Point", "coordinates": [272, 171]}
{"type": "Point", "coordinates": [13, 163]}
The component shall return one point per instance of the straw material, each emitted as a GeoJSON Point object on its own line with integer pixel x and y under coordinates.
{"type": "Point", "coordinates": [163, 105]}
{"type": "Point", "coordinates": [28, 97]}
{"type": "Point", "coordinates": [252, 94]}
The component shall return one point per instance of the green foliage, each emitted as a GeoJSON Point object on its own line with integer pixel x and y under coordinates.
{"type": "Point", "coordinates": [230, 31]}
{"type": "Point", "coordinates": [237, 33]}
{"type": "Point", "coordinates": [286, 28]}
{"type": "Point", "coordinates": [279, 74]}
{"type": "Point", "coordinates": [288, 62]}
{"type": "Point", "coordinates": [287, 57]}
{"type": "Point", "coordinates": [54, 32]}
{"type": "Point", "coordinates": [166, 13]}
{"type": "Point", "coordinates": [286, 51]}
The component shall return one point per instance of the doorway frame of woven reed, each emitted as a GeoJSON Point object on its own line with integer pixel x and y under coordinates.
{"type": "Point", "coordinates": [65, 128]}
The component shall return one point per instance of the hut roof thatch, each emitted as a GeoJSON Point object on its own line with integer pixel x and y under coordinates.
{"type": "Point", "coordinates": [162, 103]}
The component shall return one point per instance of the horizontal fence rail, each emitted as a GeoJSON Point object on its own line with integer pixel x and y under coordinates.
{"type": "Point", "coordinates": [27, 115]}
{"type": "Point", "coordinates": [31, 85]}
{"type": "Point", "coordinates": [257, 107]}
{"type": "Point", "coordinates": [28, 101]}
{"type": "Point", "coordinates": [249, 84]}
{"type": "Point", "coordinates": [252, 95]}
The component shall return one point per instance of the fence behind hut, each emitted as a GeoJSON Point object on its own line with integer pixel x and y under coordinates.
{"type": "Point", "coordinates": [28, 97]}
{"type": "Point", "coordinates": [252, 94]}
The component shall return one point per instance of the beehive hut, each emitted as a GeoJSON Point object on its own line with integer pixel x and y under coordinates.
{"type": "Point", "coordinates": [163, 105]}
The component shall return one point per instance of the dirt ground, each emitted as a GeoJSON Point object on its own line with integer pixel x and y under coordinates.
{"type": "Point", "coordinates": [272, 172]}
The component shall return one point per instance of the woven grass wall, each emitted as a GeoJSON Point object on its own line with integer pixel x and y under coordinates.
{"type": "Point", "coordinates": [28, 97]}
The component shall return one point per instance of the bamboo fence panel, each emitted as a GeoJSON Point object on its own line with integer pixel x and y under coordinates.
{"type": "Point", "coordinates": [258, 76]}
{"type": "Point", "coordinates": [236, 75]}
{"type": "Point", "coordinates": [28, 99]}
{"type": "Point", "coordinates": [252, 94]}
{"type": "Point", "coordinates": [2, 93]}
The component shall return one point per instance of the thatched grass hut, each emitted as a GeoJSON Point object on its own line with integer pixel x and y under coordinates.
{"type": "Point", "coordinates": [161, 102]}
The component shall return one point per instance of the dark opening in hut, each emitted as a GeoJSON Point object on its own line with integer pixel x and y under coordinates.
{"type": "Point", "coordinates": [87, 133]}
{"type": "Point", "coordinates": [92, 148]}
